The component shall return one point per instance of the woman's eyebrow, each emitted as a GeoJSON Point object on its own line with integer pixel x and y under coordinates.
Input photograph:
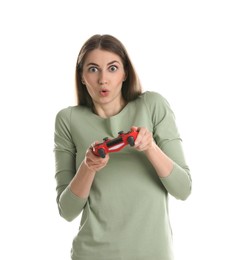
{"type": "Point", "coordinates": [95, 64]}
{"type": "Point", "coordinates": [92, 64]}
{"type": "Point", "coordinates": [114, 61]}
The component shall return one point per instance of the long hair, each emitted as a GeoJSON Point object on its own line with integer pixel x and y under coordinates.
{"type": "Point", "coordinates": [131, 87]}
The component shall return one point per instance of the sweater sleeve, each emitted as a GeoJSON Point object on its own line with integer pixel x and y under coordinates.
{"type": "Point", "coordinates": [69, 205]}
{"type": "Point", "coordinates": [167, 137]}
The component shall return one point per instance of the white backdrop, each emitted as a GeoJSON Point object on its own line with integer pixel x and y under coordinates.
{"type": "Point", "coordinates": [180, 49]}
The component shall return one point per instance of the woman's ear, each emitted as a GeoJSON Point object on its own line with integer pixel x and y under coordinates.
{"type": "Point", "coordinates": [83, 82]}
{"type": "Point", "coordinates": [125, 76]}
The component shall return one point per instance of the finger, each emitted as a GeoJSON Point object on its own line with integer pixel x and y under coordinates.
{"type": "Point", "coordinates": [140, 136]}
{"type": "Point", "coordinates": [96, 163]}
{"type": "Point", "coordinates": [134, 128]}
{"type": "Point", "coordinates": [147, 142]}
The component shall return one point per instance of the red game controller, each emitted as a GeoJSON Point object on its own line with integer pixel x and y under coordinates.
{"type": "Point", "coordinates": [115, 145]}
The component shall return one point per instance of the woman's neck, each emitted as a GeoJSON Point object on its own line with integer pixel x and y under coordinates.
{"type": "Point", "coordinates": [109, 110]}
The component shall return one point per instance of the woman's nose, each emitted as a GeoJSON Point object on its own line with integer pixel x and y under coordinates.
{"type": "Point", "coordinates": [102, 79]}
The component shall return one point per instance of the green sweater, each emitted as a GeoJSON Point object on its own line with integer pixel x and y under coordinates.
{"type": "Point", "coordinates": [126, 214]}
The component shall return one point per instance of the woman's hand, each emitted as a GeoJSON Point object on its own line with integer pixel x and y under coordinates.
{"type": "Point", "coordinates": [144, 141]}
{"type": "Point", "coordinates": [160, 161]}
{"type": "Point", "coordinates": [82, 181]}
{"type": "Point", "coordinates": [93, 162]}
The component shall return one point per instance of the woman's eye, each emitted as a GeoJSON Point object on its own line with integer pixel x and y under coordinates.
{"type": "Point", "coordinates": [93, 69]}
{"type": "Point", "coordinates": [113, 68]}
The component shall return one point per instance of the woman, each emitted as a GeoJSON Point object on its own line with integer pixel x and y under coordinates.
{"type": "Point", "coordinates": [123, 197]}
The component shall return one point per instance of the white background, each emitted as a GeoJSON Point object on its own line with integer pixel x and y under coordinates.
{"type": "Point", "coordinates": [180, 49]}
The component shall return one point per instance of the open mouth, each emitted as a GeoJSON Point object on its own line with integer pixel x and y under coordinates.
{"type": "Point", "coordinates": [104, 92]}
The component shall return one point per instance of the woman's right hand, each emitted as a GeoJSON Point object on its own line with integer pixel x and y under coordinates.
{"type": "Point", "coordinates": [93, 162]}
{"type": "Point", "coordinates": [82, 181]}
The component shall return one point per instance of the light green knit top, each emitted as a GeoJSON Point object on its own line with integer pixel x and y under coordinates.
{"type": "Point", "coordinates": [126, 214]}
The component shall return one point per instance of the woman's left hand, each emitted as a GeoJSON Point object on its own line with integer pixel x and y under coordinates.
{"type": "Point", "coordinates": [144, 140]}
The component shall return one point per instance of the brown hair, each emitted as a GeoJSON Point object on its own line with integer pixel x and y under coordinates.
{"type": "Point", "coordinates": [131, 88]}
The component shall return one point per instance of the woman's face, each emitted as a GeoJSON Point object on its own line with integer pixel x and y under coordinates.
{"type": "Point", "coordinates": [103, 75]}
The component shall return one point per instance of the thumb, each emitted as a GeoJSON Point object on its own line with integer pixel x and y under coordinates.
{"type": "Point", "coordinates": [134, 128]}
